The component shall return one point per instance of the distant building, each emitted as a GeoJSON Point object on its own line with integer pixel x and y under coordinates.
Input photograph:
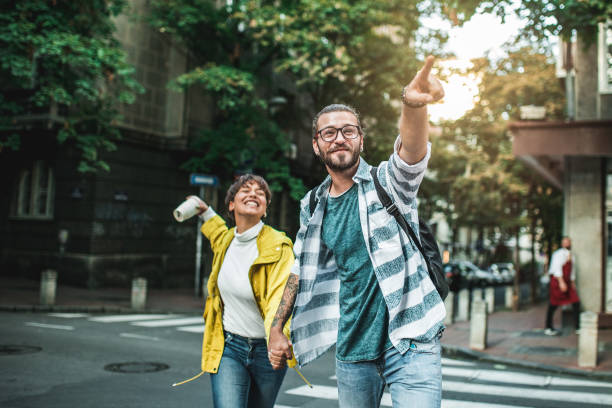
{"type": "Point", "coordinates": [576, 156]}
{"type": "Point", "coordinates": [108, 227]}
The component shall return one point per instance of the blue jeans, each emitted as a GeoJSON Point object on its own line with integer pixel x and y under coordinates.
{"type": "Point", "coordinates": [414, 379]}
{"type": "Point", "coordinates": [245, 377]}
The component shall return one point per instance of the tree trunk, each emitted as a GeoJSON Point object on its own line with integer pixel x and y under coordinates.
{"type": "Point", "coordinates": [515, 297]}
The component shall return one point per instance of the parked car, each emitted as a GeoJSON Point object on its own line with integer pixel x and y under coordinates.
{"type": "Point", "coordinates": [504, 271]}
{"type": "Point", "coordinates": [464, 274]}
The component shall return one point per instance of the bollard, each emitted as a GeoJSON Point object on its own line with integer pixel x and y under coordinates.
{"type": "Point", "coordinates": [476, 294]}
{"type": "Point", "coordinates": [139, 293]}
{"type": "Point", "coordinates": [587, 340]}
{"type": "Point", "coordinates": [509, 297]}
{"type": "Point", "coordinates": [490, 299]}
{"type": "Point", "coordinates": [478, 325]}
{"type": "Point", "coordinates": [463, 306]}
{"type": "Point", "coordinates": [48, 284]}
{"type": "Point", "coordinates": [449, 304]}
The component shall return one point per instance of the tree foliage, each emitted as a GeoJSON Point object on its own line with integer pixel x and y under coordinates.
{"type": "Point", "coordinates": [307, 53]}
{"type": "Point", "coordinates": [478, 182]}
{"type": "Point", "coordinates": [60, 56]}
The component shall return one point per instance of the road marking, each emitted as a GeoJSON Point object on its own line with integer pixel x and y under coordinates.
{"type": "Point", "coordinates": [49, 326]}
{"type": "Point", "coordinates": [128, 318]}
{"type": "Point", "coordinates": [331, 393]}
{"type": "Point", "coordinates": [138, 336]}
{"type": "Point", "coordinates": [512, 377]}
{"type": "Point", "coordinates": [450, 362]}
{"type": "Point", "coordinates": [530, 393]}
{"type": "Point", "coordinates": [69, 315]}
{"type": "Point", "coordinates": [171, 322]}
{"type": "Point", "coordinates": [192, 329]}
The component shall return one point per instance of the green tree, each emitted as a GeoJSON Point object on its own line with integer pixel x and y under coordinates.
{"type": "Point", "coordinates": [61, 56]}
{"type": "Point", "coordinates": [478, 182]}
{"type": "Point", "coordinates": [310, 53]}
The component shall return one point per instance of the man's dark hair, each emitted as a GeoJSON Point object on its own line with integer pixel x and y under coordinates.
{"type": "Point", "coordinates": [336, 107]}
{"type": "Point", "coordinates": [237, 185]}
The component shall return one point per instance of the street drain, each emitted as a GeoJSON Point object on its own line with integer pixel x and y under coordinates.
{"type": "Point", "coordinates": [8, 349]}
{"type": "Point", "coordinates": [135, 367]}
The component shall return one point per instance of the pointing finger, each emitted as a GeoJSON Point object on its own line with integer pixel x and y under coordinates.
{"type": "Point", "coordinates": [423, 75]}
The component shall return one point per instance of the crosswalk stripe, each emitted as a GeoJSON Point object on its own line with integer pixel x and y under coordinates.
{"type": "Point", "coordinates": [192, 329]}
{"type": "Point", "coordinates": [451, 362]}
{"type": "Point", "coordinates": [331, 393]}
{"type": "Point", "coordinates": [68, 315]}
{"type": "Point", "coordinates": [531, 393]}
{"type": "Point", "coordinates": [517, 378]}
{"type": "Point", "coordinates": [171, 322]}
{"type": "Point", "coordinates": [129, 318]}
{"type": "Point", "coordinates": [138, 336]}
{"type": "Point", "coordinates": [49, 326]}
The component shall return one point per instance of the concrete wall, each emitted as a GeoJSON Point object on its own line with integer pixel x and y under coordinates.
{"type": "Point", "coordinates": [583, 211]}
{"type": "Point", "coordinates": [586, 81]}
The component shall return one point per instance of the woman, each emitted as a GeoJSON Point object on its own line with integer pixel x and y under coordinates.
{"type": "Point", "coordinates": [250, 267]}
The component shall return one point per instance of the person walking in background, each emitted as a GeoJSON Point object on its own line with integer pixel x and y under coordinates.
{"type": "Point", "coordinates": [562, 289]}
{"type": "Point", "coordinates": [363, 284]}
{"type": "Point", "coordinates": [251, 263]}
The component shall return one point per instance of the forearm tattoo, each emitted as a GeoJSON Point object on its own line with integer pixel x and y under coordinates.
{"type": "Point", "coordinates": [286, 304]}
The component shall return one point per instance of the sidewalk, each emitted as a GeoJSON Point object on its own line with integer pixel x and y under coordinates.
{"type": "Point", "coordinates": [514, 338]}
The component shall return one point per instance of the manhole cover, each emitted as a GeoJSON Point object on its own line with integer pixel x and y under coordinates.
{"type": "Point", "coordinates": [135, 367]}
{"type": "Point", "coordinates": [7, 349]}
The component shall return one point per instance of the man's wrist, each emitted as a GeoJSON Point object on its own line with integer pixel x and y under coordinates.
{"type": "Point", "coordinates": [410, 104]}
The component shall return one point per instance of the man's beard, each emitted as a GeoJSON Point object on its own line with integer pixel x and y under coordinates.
{"type": "Point", "coordinates": [337, 164]}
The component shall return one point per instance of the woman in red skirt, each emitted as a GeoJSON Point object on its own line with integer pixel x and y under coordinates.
{"type": "Point", "coordinates": [562, 287]}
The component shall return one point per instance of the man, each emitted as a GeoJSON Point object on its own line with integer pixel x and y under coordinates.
{"type": "Point", "coordinates": [562, 286]}
{"type": "Point", "coordinates": [363, 285]}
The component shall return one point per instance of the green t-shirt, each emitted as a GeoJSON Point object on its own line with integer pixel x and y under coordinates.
{"type": "Point", "coordinates": [363, 327]}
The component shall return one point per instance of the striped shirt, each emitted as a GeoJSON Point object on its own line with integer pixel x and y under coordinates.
{"type": "Point", "coordinates": [416, 310]}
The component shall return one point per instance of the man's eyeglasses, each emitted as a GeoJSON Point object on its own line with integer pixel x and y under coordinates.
{"type": "Point", "coordinates": [330, 133]}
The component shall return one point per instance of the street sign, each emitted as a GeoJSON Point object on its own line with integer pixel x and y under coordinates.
{"type": "Point", "coordinates": [197, 179]}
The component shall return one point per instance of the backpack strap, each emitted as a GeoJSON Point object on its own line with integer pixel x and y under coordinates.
{"type": "Point", "coordinates": [394, 211]}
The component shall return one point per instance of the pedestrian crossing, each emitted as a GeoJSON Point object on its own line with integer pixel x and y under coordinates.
{"type": "Point", "coordinates": [466, 384]}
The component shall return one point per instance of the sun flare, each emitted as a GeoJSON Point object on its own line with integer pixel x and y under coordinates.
{"type": "Point", "coordinates": [460, 89]}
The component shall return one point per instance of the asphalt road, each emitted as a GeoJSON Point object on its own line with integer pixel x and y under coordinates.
{"type": "Point", "coordinates": [64, 360]}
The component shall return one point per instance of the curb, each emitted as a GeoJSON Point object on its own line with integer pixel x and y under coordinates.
{"type": "Point", "coordinates": [466, 353]}
{"type": "Point", "coordinates": [91, 309]}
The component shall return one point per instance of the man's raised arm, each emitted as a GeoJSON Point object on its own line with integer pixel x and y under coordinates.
{"type": "Point", "coordinates": [414, 122]}
{"type": "Point", "coordinates": [279, 346]}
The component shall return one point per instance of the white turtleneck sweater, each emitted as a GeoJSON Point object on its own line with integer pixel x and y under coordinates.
{"type": "Point", "coordinates": [240, 312]}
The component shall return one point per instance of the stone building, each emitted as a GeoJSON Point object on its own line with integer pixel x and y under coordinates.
{"type": "Point", "coordinates": [106, 228]}
{"type": "Point", "coordinates": [576, 156]}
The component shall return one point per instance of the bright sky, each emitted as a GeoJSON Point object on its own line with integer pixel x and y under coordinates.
{"type": "Point", "coordinates": [483, 33]}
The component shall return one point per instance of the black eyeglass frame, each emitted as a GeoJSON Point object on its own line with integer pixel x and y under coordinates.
{"type": "Point", "coordinates": [357, 134]}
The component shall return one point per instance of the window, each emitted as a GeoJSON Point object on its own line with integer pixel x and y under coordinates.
{"type": "Point", "coordinates": [605, 57]}
{"type": "Point", "coordinates": [34, 192]}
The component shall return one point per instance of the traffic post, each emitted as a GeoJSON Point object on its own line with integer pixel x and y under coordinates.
{"type": "Point", "coordinates": [201, 180]}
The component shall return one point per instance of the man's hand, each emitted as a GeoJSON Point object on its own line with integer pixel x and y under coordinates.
{"type": "Point", "coordinates": [279, 348]}
{"type": "Point", "coordinates": [201, 204]}
{"type": "Point", "coordinates": [424, 88]}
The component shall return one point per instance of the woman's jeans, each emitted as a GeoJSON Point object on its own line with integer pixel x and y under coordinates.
{"type": "Point", "coordinates": [414, 379]}
{"type": "Point", "coordinates": [245, 377]}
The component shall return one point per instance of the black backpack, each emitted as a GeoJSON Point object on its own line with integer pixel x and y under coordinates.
{"type": "Point", "coordinates": [428, 245]}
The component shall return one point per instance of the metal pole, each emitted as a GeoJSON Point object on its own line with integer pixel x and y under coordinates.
{"type": "Point", "coordinates": [198, 260]}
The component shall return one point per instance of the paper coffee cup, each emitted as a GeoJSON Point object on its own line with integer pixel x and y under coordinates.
{"type": "Point", "coordinates": [187, 209]}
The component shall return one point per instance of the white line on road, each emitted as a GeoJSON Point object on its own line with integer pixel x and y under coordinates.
{"type": "Point", "coordinates": [138, 336]}
{"type": "Point", "coordinates": [192, 329]}
{"type": "Point", "coordinates": [171, 322]}
{"type": "Point", "coordinates": [512, 377]}
{"type": "Point", "coordinates": [129, 318]}
{"type": "Point", "coordinates": [331, 393]}
{"type": "Point", "coordinates": [69, 315]}
{"type": "Point", "coordinates": [530, 393]}
{"type": "Point", "coordinates": [451, 362]}
{"type": "Point", "coordinates": [49, 326]}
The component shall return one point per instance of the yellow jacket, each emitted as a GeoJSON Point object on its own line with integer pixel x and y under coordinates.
{"type": "Point", "coordinates": [268, 276]}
